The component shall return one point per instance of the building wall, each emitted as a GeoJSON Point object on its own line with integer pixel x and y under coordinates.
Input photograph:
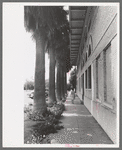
{"type": "Point", "coordinates": [100, 94]}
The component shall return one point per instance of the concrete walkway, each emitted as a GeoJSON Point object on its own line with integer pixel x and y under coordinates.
{"type": "Point", "coordinates": [79, 126]}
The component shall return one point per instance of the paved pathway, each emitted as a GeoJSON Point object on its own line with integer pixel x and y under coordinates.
{"type": "Point", "coordinates": [79, 126]}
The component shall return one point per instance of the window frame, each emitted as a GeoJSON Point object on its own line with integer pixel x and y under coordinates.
{"type": "Point", "coordinates": [105, 76]}
{"type": "Point", "coordinates": [89, 51]}
{"type": "Point", "coordinates": [86, 79]}
{"type": "Point", "coordinates": [97, 81]}
{"type": "Point", "coordinates": [89, 78]}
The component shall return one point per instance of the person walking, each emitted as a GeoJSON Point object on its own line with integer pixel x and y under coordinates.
{"type": "Point", "coordinates": [72, 95]}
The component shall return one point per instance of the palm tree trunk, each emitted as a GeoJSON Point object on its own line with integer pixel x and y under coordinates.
{"type": "Point", "coordinates": [58, 82]}
{"type": "Point", "coordinates": [52, 97]}
{"type": "Point", "coordinates": [66, 81]}
{"type": "Point", "coordinates": [39, 88]}
{"type": "Point", "coordinates": [62, 83]}
{"type": "Point", "coordinates": [65, 91]}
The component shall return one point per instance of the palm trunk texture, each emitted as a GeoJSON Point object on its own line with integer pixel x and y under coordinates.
{"type": "Point", "coordinates": [65, 85]}
{"type": "Point", "coordinates": [62, 82]}
{"type": "Point", "coordinates": [58, 82]}
{"type": "Point", "coordinates": [39, 89]}
{"type": "Point", "coordinates": [52, 97]}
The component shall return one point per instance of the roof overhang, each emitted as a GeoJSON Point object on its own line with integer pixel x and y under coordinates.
{"type": "Point", "coordinates": [77, 20]}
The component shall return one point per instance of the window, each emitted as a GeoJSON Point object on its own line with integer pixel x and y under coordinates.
{"type": "Point", "coordinates": [86, 78]}
{"type": "Point", "coordinates": [78, 84]}
{"type": "Point", "coordinates": [97, 76]}
{"type": "Point", "coordinates": [82, 84]}
{"type": "Point", "coordinates": [89, 77]}
{"type": "Point", "coordinates": [89, 52]}
{"type": "Point", "coordinates": [90, 48]}
{"type": "Point", "coordinates": [108, 91]}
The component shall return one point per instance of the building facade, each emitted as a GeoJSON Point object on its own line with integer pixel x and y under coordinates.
{"type": "Point", "coordinates": [97, 67]}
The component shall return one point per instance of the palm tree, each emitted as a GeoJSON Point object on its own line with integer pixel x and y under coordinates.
{"type": "Point", "coordinates": [68, 66]}
{"type": "Point", "coordinates": [60, 64]}
{"type": "Point", "coordinates": [41, 21]}
{"type": "Point", "coordinates": [65, 68]}
{"type": "Point", "coordinates": [55, 41]}
{"type": "Point", "coordinates": [58, 81]}
{"type": "Point", "coordinates": [64, 74]}
{"type": "Point", "coordinates": [52, 97]}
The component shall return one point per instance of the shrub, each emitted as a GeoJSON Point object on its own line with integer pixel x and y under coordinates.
{"type": "Point", "coordinates": [57, 109]}
{"type": "Point", "coordinates": [49, 123]}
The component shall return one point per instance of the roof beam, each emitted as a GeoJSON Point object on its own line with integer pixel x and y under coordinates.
{"type": "Point", "coordinates": [74, 43]}
{"type": "Point", "coordinates": [76, 24]}
{"type": "Point", "coordinates": [76, 34]}
{"type": "Point", "coordinates": [76, 29]}
{"type": "Point", "coordinates": [77, 37]}
{"type": "Point", "coordinates": [77, 46]}
{"type": "Point", "coordinates": [78, 7]}
{"type": "Point", "coordinates": [75, 19]}
{"type": "Point", "coordinates": [85, 22]}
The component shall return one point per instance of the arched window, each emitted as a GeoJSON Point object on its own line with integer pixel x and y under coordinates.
{"type": "Point", "coordinates": [90, 48]}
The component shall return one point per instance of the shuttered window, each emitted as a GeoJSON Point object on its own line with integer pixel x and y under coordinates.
{"type": "Point", "coordinates": [108, 75]}
{"type": "Point", "coordinates": [86, 78]}
{"type": "Point", "coordinates": [89, 77]}
{"type": "Point", "coordinates": [99, 65]}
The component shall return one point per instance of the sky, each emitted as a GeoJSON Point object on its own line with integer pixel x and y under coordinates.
{"type": "Point", "coordinates": [21, 41]}
{"type": "Point", "coordinates": [30, 53]}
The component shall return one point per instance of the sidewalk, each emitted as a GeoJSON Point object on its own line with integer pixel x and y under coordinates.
{"type": "Point", "coordinates": [79, 126]}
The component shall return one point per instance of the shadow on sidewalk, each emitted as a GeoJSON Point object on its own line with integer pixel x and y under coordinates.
{"type": "Point", "coordinates": [80, 127]}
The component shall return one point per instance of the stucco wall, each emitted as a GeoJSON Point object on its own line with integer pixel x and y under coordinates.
{"type": "Point", "coordinates": [106, 118]}
{"type": "Point", "coordinates": [103, 31]}
{"type": "Point", "coordinates": [103, 18]}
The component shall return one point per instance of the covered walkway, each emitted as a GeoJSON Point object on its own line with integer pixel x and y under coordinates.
{"type": "Point", "coordinates": [79, 126]}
